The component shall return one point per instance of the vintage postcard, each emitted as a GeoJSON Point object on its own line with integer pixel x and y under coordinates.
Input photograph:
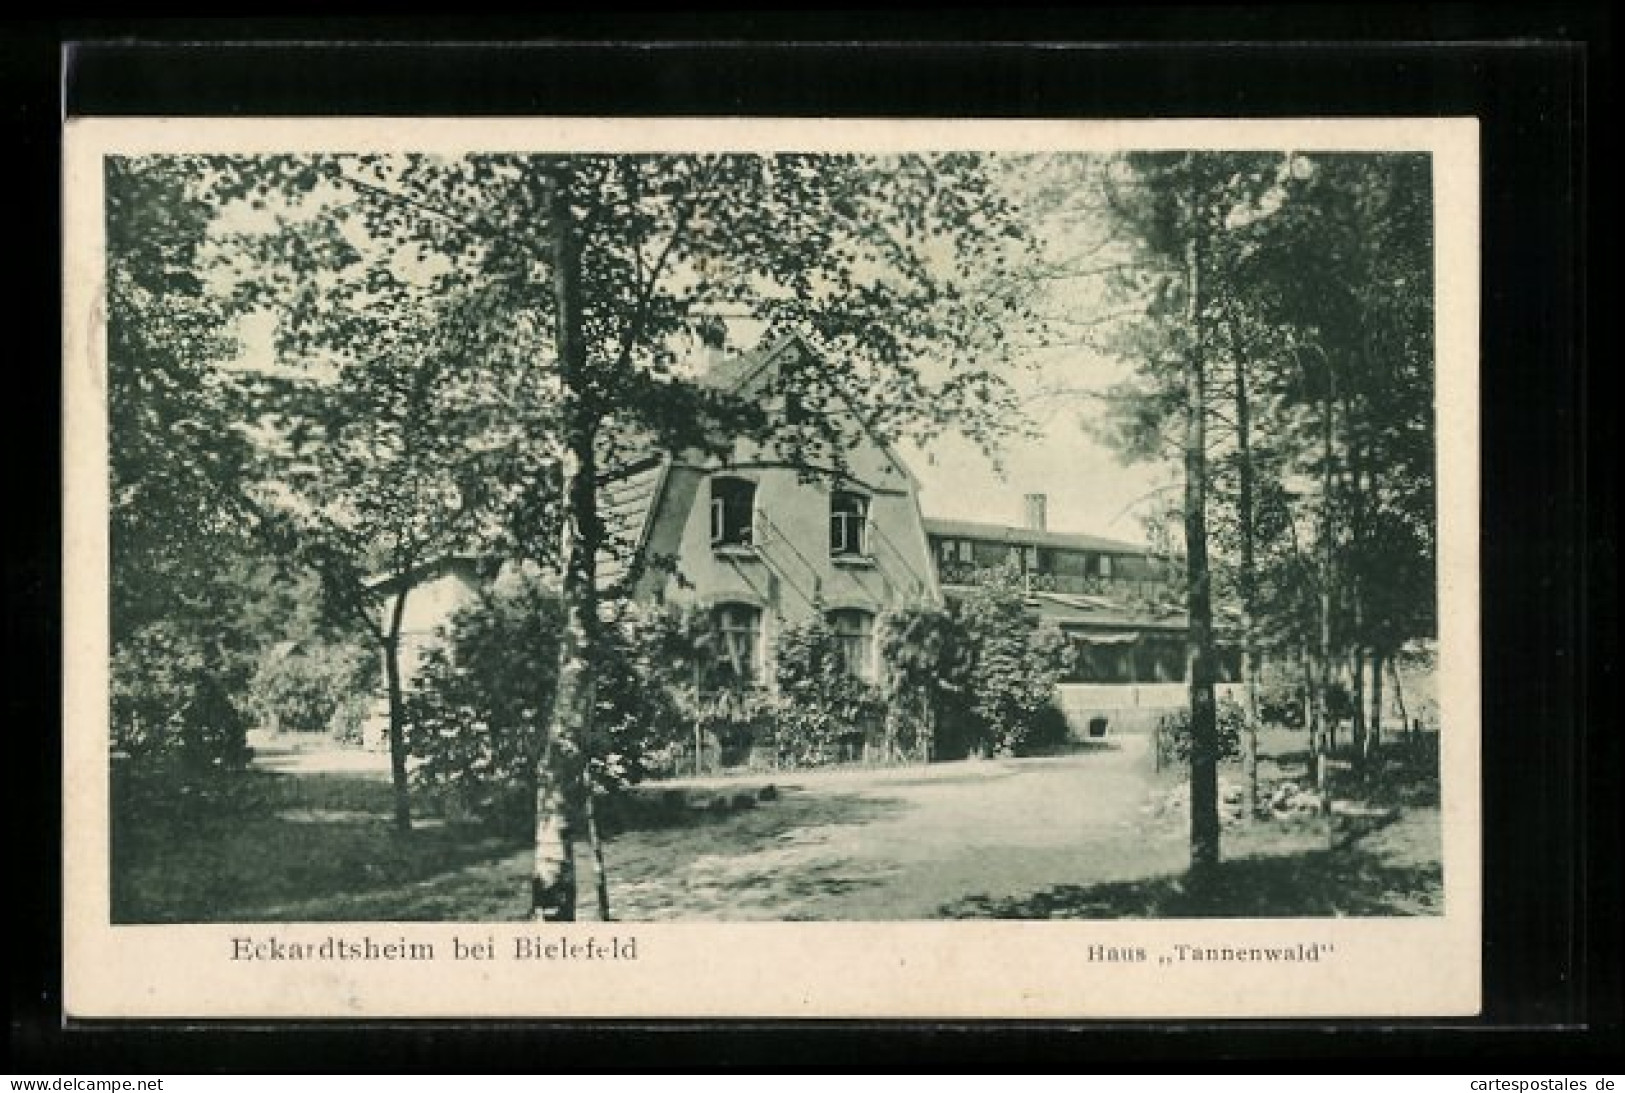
{"type": "Point", "coordinates": [746, 567]}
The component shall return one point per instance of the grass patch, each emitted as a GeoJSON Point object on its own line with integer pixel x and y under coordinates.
{"type": "Point", "coordinates": [254, 846]}
{"type": "Point", "coordinates": [236, 846]}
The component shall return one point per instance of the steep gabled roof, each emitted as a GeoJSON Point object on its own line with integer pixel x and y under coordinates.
{"type": "Point", "coordinates": [731, 374]}
{"type": "Point", "coordinates": [626, 502]}
{"type": "Point", "coordinates": [734, 375]}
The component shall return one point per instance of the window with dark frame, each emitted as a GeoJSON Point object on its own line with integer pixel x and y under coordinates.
{"type": "Point", "coordinates": [848, 524]}
{"type": "Point", "coordinates": [733, 512]}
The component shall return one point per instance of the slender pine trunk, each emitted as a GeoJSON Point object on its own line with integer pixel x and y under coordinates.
{"type": "Point", "coordinates": [559, 781]}
{"type": "Point", "coordinates": [1355, 487]}
{"type": "Point", "coordinates": [1326, 737]}
{"type": "Point", "coordinates": [1311, 705]}
{"type": "Point", "coordinates": [1249, 588]}
{"type": "Point", "coordinates": [1357, 703]}
{"type": "Point", "coordinates": [1373, 741]}
{"type": "Point", "coordinates": [1204, 791]}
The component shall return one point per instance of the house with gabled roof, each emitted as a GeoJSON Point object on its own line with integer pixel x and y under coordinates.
{"type": "Point", "coordinates": [763, 539]}
{"type": "Point", "coordinates": [760, 538]}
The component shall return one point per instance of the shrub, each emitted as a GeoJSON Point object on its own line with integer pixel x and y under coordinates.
{"type": "Point", "coordinates": [324, 689]}
{"type": "Point", "coordinates": [820, 707]}
{"type": "Point", "coordinates": [1013, 670]}
{"type": "Point", "coordinates": [478, 714]}
{"type": "Point", "coordinates": [638, 720]}
{"type": "Point", "coordinates": [480, 702]}
{"type": "Point", "coordinates": [1281, 704]}
{"type": "Point", "coordinates": [1173, 740]}
{"type": "Point", "coordinates": [920, 652]}
{"type": "Point", "coordinates": [171, 699]}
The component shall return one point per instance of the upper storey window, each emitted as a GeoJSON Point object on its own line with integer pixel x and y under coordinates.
{"type": "Point", "coordinates": [848, 524]}
{"type": "Point", "coordinates": [733, 512]}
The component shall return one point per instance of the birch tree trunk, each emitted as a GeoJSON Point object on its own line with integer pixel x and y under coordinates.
{"type": "Point", "coordinates": [559, 781]}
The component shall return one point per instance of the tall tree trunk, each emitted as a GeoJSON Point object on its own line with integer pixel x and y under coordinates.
{"type": "Point", "coordinates": [1355, 487]}
{"type": "Point", "coordinates": [397, 712]}
{"type": "Point", "coordinates": [559, 782]}
{"type": "Point", "coordinates": [1311, 702]}
{"type": "Point", "coordinates": [1357, 701]}
{"type": "Point", "coordinates": [1326, 737]}
{"type": "Point", "coordinates": [1373, 740]}
{"type": "Point", "coordinates": [1204, 791]}
{"type": "Point", "coordinates": [1249, 587]}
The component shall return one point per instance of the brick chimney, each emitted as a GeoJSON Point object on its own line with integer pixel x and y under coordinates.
{"type": "Point", "coordinates": [1036, 506]}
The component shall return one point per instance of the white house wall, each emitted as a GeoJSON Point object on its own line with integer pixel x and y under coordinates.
{"type": "Point", "coordinates": [430, 606]}
{"type": "Point", "coordinates": [788, 569]}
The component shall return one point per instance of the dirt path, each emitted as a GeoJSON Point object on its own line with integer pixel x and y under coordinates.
{"type": "Point", "coordinates": [902, 844]}
{"type": "Point", "coordinates": [1083, 835]}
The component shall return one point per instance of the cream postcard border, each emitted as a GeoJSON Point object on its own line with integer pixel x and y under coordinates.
{"type": "Point", "coordinates": [1389, 967]}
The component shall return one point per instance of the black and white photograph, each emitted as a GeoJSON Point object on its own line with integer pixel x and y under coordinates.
{"type": "Point", "coordinates": [518, 540]}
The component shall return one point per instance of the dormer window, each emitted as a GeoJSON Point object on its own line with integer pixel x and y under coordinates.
{"type": "Point", "coordinates": [733, 512]}
{"type": "Point", "coordinates": [848, 524]}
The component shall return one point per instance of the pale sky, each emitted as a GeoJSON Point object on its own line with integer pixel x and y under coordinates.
{"type": "Point", "coordinates": [1089, 490]}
